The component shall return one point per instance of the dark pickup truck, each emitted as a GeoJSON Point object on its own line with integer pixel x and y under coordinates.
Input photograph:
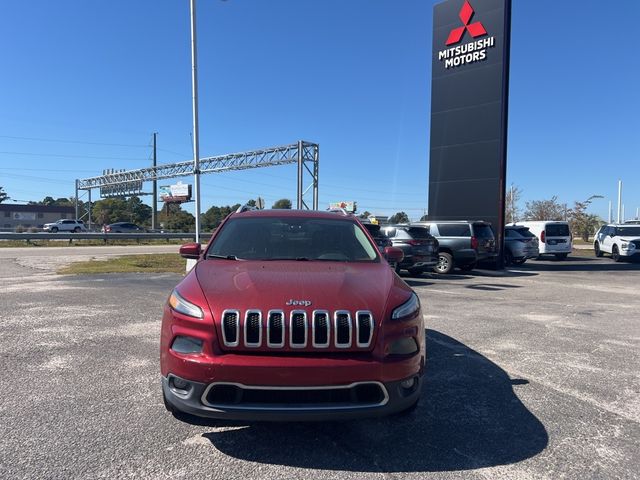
{"type": "Point", "coordinates": [462, 243]}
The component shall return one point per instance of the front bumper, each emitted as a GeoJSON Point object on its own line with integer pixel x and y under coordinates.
{"type": "Point", "coordinates": [394, 398]}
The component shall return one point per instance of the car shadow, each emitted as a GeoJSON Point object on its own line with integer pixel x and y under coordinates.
{"type": "Point", "coordinates": [579, 264]}
{"type": "Point", "coordinates": [468, 417]}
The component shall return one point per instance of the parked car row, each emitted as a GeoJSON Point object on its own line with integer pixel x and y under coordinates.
{"type": "Point", "coordinates": [77, 226]}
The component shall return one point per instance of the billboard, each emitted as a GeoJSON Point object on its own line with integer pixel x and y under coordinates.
{"type": "Point", "coordinates": [178, 193]}
{"type": "Point", "coordinates": [122, 189]}
{"type": "Point", "coordinates": [350, 207]}
{"type": "Point", "coordinates": [469, 92]}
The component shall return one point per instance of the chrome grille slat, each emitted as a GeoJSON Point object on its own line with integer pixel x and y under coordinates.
{"type": "Point", "coordinates": [364, 328]}
{"type": "Point", "coordinates": [253, 328]}
{"type": "Point", "coordinates": [297, 327]}
{"type": "Point", "coordinates": [342, 326]}
{"type": "Point", "coordinates": [275, 329]}
{"type": "Point", "coordinates": [321, 329]}
{"type": "Point", "coordinates": [230, 328]}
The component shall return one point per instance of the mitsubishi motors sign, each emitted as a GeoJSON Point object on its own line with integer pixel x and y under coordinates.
{"type": "Point", "coordinates": [470, 52]}
{"type": "Point", "coordinates": [469, 93]}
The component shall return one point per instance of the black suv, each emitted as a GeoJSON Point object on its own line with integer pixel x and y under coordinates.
{"type": "Point", "coordinates": [419, 247]}
{"type": "Point", "coordinates": [462, 244]}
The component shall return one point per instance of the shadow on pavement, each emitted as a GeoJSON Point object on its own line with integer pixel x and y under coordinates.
{"type": "Point", "coordinates": [468, 417]}
{"type": "Point", "coordinates": [579, 264]}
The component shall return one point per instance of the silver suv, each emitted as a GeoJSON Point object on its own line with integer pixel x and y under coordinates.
{"type": "Point", "coordinates": [65, 226]}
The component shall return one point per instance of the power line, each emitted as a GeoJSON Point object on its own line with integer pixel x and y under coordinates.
{"type": "Point", "coordinates": [78, 142]}
{"type": "Point", "coordinates": [71, 156]}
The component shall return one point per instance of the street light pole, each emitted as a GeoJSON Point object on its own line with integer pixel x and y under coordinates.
{"type": "Point", "coordinates": [196, 146]}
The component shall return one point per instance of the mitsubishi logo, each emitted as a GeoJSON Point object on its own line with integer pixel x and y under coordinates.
{"type": "Point", "coordinates": [476, 29]}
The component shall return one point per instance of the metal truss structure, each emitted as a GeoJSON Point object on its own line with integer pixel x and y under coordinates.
{"type": "Point", "coordinates": [305, 154]}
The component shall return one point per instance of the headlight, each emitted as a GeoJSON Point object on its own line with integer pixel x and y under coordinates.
{"type": "Point", "coordinates": [179, 304]}
{"type": "Point", "coordinates": [626, 246]}
{"type": "Point", "coordinates": [408, 308]}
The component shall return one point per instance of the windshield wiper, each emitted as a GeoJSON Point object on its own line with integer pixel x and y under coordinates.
{"type": "Point", "coordinates": [224, 257]}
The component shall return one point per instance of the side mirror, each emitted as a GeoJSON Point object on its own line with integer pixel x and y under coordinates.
{"type": "Point", "coordinates": [393, 254]}
{"type": "Point", "coordinates": [190, 250]}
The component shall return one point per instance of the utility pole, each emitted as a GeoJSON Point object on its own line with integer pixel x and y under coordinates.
{"type": "Point", "coordinates": [619, 200]}
{"type": "Point", "coordinates": [196, 146]}
{"type": "Point", "coordinates": [154, 203]}
{"type": "Point", "coordinates": [609, 213]}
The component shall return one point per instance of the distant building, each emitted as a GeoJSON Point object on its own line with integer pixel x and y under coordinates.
{"type": "Point", "coordinates": [28, 216]}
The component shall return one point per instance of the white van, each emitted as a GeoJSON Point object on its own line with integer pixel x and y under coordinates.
{"type": "Point", "coordinates": [554, 237]}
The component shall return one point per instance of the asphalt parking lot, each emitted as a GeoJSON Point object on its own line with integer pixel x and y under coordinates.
{"type": "Point", "coordinates": [531, 374]}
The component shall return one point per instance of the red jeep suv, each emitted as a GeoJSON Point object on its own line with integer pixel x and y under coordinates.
{"type": "Point", "coordinates": [291, 315]}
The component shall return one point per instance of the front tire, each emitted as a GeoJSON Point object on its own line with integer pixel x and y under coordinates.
{"type": "Point", "coordinates": [615, 254]}
{"type": "Point", "coordinates": [54, 230]}
{"type": "Point", "coordinates": [415, 272]}
{"type": "Point", "coordinates": [445, 263]}
{"type": "Point", "coordinates": [519, 261]}
{"type": "Point", "coordinates": [596, 249]}
{"type": "Point", "coordinates": [76, 230]}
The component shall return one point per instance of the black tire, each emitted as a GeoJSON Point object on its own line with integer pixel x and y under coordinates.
{"type": "Point", "coordinates": [468, 267]}
{"type": "Point", "coordinates": [596, 249]}
{"type": "Point", "coordinates": [445, 263]}
{"type": "Point", "coordinates": [508, 258]}
{"type": "Point", "coordinates": [416, 272]}
{"type": "Point", "coordinates": [519, 261]}
{"type": "Point", "coordinates": [398, 269]}
{"type": "Point", "coordinates": [561, 256]}
{"type": "Point", "coordinates": [76, 230]}
{"type": "Point", "coordinates": [54, 230]}
{"type": "Point", "coordinates": [615, 254]}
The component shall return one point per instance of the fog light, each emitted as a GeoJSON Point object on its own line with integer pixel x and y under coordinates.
{"type": "Point", "coordinates": [187, 345]}
{"type": "Point", "coordinates": [179, 385]}
{"type": "Point", "coordinates": [408, 383]}
{"type": "Point", "coordinates": [402, 346]}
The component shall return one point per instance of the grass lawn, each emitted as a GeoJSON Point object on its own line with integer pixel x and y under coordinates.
{"type": "Point", "coordinates": [152, 263]}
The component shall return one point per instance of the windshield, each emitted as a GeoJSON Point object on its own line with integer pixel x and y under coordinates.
{"type": "Point", "coordinates": [291, 238]}
{"type": "Point", "coordinates": [628, 231]}
{"type": "Point", "coordinates": [558, 230]}
{"type": "Point", "coordinates": [482, 231]}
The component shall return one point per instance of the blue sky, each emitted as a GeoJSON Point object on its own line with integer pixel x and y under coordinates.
{"type": "Point", "coordinates": [99, 77]}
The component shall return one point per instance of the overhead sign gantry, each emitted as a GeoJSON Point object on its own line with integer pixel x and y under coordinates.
{"type": "Point", "coordinates": [305, 154]}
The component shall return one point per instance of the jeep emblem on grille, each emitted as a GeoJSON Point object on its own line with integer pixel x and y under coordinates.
{"type": "Point", "coordinates": [304, 303]}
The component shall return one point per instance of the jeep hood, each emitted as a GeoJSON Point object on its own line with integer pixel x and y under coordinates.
{"type": "Point", "coordinates": [266, 285]}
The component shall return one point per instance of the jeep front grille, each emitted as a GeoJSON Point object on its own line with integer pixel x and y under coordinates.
{"type": "Point", "coordinates": [253, 328]}
{"type": "Point", "coordinates": [275, 329]}
{"type": "Point", "coordinates": [342, 328]}
{"type": "Point", "coordinates": [230, 327]}
{"type": "Point", "coordinates": [321, 329]}
{"type": "Point", "coordinates": [302, 330]}
{"type": "Point", "coordinates": [298, 329]}
{"type": "Point", "coordinates": [364, 328]}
